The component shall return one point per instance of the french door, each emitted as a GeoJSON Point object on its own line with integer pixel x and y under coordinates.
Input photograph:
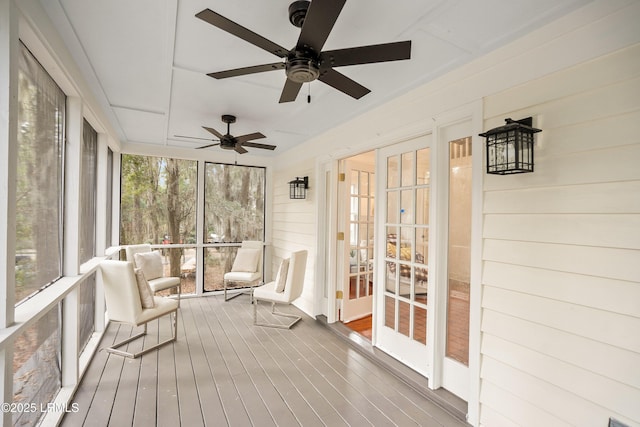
{"type": "Point", "coordinates": [358, 221]}
{"type": "Point", "coordinates": [404, 180]}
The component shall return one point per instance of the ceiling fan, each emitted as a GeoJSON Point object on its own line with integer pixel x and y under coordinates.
{"type": "Point", "coordinates": [236, 143]}
{"type": "Point", "coordinates": [306, 61]}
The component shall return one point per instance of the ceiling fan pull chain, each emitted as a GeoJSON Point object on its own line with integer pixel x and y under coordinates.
{"type": "Point", "coordinates": [309, 94]}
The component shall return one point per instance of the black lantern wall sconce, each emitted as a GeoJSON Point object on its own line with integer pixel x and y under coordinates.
{"type": "Point", "coordinates": [510, 147]}
{"type": "Point", "coordinates": [298, 188]}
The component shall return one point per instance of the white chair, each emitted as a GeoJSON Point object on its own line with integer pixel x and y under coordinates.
{"type": "Point", "coordinates": [157, 283]}
{"type": "Point", "coordinates": [124, 304]}
{"type": "Point", "coordinates": [293, 285]}
{"type": "Point", "coordinates": [247, 267]}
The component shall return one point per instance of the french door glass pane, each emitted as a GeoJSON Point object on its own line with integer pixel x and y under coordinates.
{"type": "Point", "coordinates": [393, 171]}
{"type": "Point", "coordinates": [459, 252]}
{"type": "Point", "coordinates": [392, 207]}
{"type": "Point", "coordinates": [407, 170]}
{"type": "Point", "coordinates": [407, 230]}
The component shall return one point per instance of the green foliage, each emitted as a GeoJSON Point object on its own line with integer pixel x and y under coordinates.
{"type": "Point", "coordinates": [147, 193]}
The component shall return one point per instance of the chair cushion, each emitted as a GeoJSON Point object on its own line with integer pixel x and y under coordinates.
{"type": "Point", "coordinates": [241, 276]}
{"type": "Point", "coordinates": [281, 277]}
{"type": "Point", "coordinates": [163, 306]}
{"type": "Point", "coordinates": [267, 292]}
{"type": "Point", "coordinates": [146, 295]}
{"type": "Point", "coordinates": [162, 283]}
{"type": "Point", "coordinates": [150, 263]}
{"type": "Point", "coordinates": [246, 260]}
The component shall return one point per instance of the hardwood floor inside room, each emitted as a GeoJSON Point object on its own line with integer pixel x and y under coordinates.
{"type": "Point", "coordinates": [361, 326]}
{"type": "Point", "coordinates": [222, 370]}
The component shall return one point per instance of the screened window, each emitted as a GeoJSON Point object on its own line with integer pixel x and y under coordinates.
{"type": "Point", "coordinates": [88, 192]}
{"type": "Point", "coordinates": [39, 186]}
{"type": "Point", "coordinates": [36, 367]}
{"type": "Point", "coordinates": [158, 206]}
{"type": "Point", "coordinates": [234, 203]}
{"type": "Point", "coordinates": [158, 200]}
{"type": "Point", "coordinates": [234, 211]}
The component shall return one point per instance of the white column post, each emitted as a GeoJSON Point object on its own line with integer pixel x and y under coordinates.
{"type": "Point", "coordinates": [71, 306]}
{"type": "Point", "coordinates": [8, 156]}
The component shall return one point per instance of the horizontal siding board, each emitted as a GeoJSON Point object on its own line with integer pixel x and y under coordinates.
{"type": "Point", "coordinates": [606, 230]}
{"type": "Point", "coordinates": [618, 66]}
{"type": "Point", "coordinates": [489, 417]}
{"type": "Point", "coordinates": [616, 296]}
{"type": "Point", "coordinates": [617, 397]}
{"type": "Point", "coordinates": [594, 134]}
{"type": "Point", "coordinates": [576, 350]}
{"type": "Point", "coordinates": [604, 326]}
{"type": "Point", "coordinates": [595, 166]}
{"type": "Point", "coordinates": [619, 264]}
{"type": "Point", "coordinates": [608, 197]}
{"type": "Point", "coordinates": [567, 407]}
{"type": "Point", "coordinates": [522, 412]}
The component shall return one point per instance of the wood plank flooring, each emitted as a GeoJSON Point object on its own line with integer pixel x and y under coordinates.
{"type": "Point", "coordinates": [225, 371]}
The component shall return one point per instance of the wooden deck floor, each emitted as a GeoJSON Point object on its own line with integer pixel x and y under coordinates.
{"type": "Point", "coordinates": [224, 371]}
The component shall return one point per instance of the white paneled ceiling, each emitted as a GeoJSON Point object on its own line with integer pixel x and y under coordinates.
{"type": "Point", "coordinates": [147, 60]}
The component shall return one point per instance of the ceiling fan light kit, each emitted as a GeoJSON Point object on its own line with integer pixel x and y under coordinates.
{"type": "Point", "coordinates": [306, 61]}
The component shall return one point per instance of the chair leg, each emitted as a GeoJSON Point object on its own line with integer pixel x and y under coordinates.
{"type": "Point", "coordinates": [275, 313]}
{"type": "Point", "coordinates": [232, 296]}
{"type": "Point", "coordinates": [114, 348]}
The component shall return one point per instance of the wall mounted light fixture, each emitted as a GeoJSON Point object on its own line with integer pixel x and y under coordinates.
{"type": "Point", "coordinates": [510, 147]}
{"type": "Point", "coordinates": [298, 188]}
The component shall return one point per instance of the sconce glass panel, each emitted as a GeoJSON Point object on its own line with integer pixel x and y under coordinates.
{"type": "Point", "coordinates": [510, 147]}
{"type": "Point", "coordinates": [298, 188]}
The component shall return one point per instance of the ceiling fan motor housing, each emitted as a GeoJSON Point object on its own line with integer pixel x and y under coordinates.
{"type": "Point", "coordinates": [228, 142]}
{"type": "Point", "coordinates": [302, 66]}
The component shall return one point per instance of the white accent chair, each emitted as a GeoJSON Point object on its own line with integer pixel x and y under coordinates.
{"type": "Point", "coordinates": [292, 290]}
{"type": "Point", "coordinates": [124, 305]}
{"type": "Point", "coordinates": [246, 269]}
{"type": "Point", "coordinates": [159, 283]}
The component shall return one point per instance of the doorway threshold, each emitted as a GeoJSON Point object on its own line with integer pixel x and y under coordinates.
{"type": "Point", "coordinates": [441, 397]}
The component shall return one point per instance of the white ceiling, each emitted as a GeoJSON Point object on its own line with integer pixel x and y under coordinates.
{"type": "Point", "coordinates": [147, 60]}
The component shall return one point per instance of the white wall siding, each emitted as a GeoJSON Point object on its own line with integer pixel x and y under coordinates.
{"type": "Point", "coordinates": [294, 226]}
{"type": "Point", "coordinates": [561, 278]}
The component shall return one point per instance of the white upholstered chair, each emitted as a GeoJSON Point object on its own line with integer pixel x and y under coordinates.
{"type": "Point", "coordinates": [124, 304]}
{"type": "Point", "coordinates": [293, 284]}
{"type": "Point", "coordinates": [157, 282]}
{"type": "Point", "coordinates": [247, 267]}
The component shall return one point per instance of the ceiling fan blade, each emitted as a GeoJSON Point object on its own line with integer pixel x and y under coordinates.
{"type": "Point", "coordinates": [238, 148]}
{"type": "Point", "coordinates": [257, 145]}
{"type": "Point", "coordinates": [367, 54]}
{"type": "Point", "coordinates": [321, 16]}
{"type": "Point", "coordinates": [247, 70]}
{"type": "Point", "coordinates": [244, 138]}
{"type": "Point", "coordinates": [343, 83]}
{"type": "Point", "coordinates": [238, 30]}
{"type": "Point", "coordinates": [193, 137]}
{"type": "Point", "coordinates": [290, 91]}
{"type": "Point", "coordinates": [213, 131]}
{"type": "Point", "coordinates": [207, 146]}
